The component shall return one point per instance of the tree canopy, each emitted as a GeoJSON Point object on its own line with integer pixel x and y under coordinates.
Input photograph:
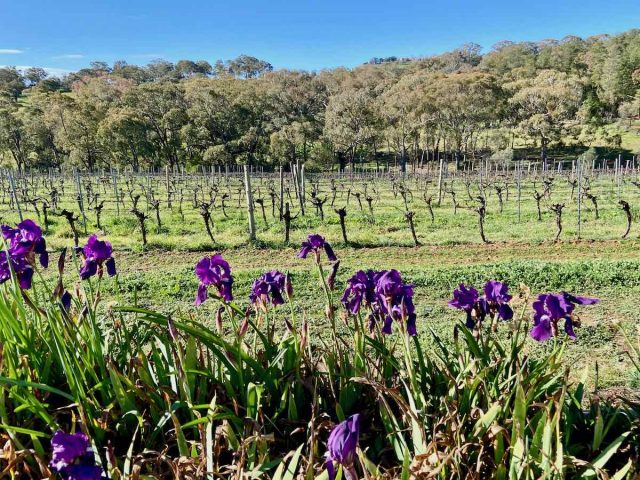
{"type": "Point", "coordinates": [195, 112]}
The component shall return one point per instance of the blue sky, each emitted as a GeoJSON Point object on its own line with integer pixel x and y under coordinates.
{"type": "Point", "coordinates": [307, 34]}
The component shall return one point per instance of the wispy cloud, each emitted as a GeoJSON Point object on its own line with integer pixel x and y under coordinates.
{"type": "Point", "coordinates": [68, 56]}
{"type": "Point", "coordinates": [10, 51]}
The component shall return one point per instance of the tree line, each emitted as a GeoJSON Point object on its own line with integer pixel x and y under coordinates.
{"type": "Point", "coordinates": [191, 113]}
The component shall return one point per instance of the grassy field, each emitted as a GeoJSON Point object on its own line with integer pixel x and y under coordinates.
{"type": "Point", "coordinates": [607, 270]}
{"type": "Point", "coordinates": [521, 251]}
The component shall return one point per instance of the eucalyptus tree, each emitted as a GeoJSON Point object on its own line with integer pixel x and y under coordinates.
{"type": "Point", "coordinates": [351, 122]}
{"type": "Point", "coordinates": [130, 72]}
{"type": "Point", "coordinates": [396, 110]}
{"type": "Point", "coordinates": [126, 135]}
{"type": "Point", "coordinates": [546, 105]}
{"type": "Point", "coordinates": [11, 82]}
{"type": "Point", "coordinates": [291, 142]}
{"type": "Point", "coordinates": [34, 75]}
{"type": "Point", "coordinates": [48, 151]}
{"type": "Point", "coordinates": [618, 77]}
{"type": "Point", "coordinates": [189, 68]}
{"type": "Point", "coordinates": [13, 137]}
{"type": "Point", "coordinates": [461, 105]}
{"type": "Point", "coordinates": [74, 123]}
{"type": "Point", "coordinates": [161, 108]}
{"type": "Point", "coordinates": [507, 58]}
{"type": "Point", "coordinates": [213, 118]}
{"type": "Point", "coordinates": [246, 66]}
{"type": "Point", "coordinates": [298, 101]}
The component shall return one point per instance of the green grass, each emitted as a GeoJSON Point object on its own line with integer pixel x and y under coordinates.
{"type": "Point", "coordinates": [165, 281]}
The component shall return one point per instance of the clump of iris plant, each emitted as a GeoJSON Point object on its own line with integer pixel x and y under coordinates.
{"type": "Point", "coordinates": [493, 304]}
{"type": "Point", "coordinates": [550, 308]}
{"type": "Point", "coordinates": [73, 458]}
{"type": "Point", "coordinates": [214, 272]}
{"type": "Point", "coordinates": [316, 243]}
{"type": "Point", "coordinates": [97, 255]}
{"type": "Point", "coordinates": [272, 287]}
{"type": "Point", "coordinates": [25, 243]}
{"type": "Point", "coordinates": [386, 297]}
{"type": "Point", "coordinates": [342, 445]}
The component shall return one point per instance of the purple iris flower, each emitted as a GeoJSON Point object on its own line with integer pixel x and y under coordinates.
{"type": "Point", "coordinates": [497, 298]}
{"type": "Point", "coordinates": [97, 255]}
{"type": "Point", "coordinates": [550, 308]}
{"type": "Point", "coordinates": [67, 447]}
{"type": "Point", "coordinates": [315, 243]}
{"type": "Point", "coordinates": [214, 271]}
{"type": "Point", "coordinates": [72, 457]}
{"type": "Point", "coordinates": [385, 294]}
{"type": "Point", "coordinates": [395, 299]}
{"type": "Point", "coordinates": [494, 302]}
{"type": "Point", "coordinates": [270, 287]}
{"type": "Point", "coordinates": [361, 289]}
{"type": "Point", "coordinates": [22, 269]}
{"type": "Point", "coordinates": [466, 299]}
{"type": "Point", "coordinates": [82, 472]}
{"type": "Point", "coordinates": [26, 241]}
{"type": "Point", "coordinates": [342, 445]}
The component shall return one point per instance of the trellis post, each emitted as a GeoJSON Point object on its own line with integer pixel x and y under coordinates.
{"type": "Point", "coordinates": [579, 167]}
{"type": "Point", "coordinates": [440, 181]}
{"type": "Point", "coordinates": [15, 194]}
{"type": "Point", "coordinates": [249, 195]}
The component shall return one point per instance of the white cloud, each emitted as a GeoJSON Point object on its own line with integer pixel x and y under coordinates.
{"type": "Point", "coordinates": [67, 56]}
{"type": "Point", "coordinates": [10, 51]}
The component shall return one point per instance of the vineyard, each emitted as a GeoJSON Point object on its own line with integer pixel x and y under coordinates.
{"type": "Point", "coordinates": [217, 208]}
{"type": "Point", "coordinates": [424, 331]}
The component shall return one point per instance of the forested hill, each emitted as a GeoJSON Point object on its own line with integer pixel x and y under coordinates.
{"type": "Point", "coordinates": [535, 95]}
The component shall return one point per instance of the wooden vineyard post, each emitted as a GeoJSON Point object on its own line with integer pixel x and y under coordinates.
{"type": "Point", "coordinates": [115, 191]}
{"type": "Point", "coordinates": [281, 191]}
{"type": "Point", "coordinates": [249, 195]}
{"type": "Point", "coordinates": [302, 185]}
{"type": "Point", "coordinates": [294, 178]}
{"type": "Point", "coordinates": [440, 181]}
{"type": "Point", "coordinates": [81, 202]}
{"type": "Point", "coordinates": [579, 172]}
{"type": "Point", "coordinates": [299, 178]}
{"type": "Point", "coordinates": [166, 173]}
{"type": "Point", "coordinates": [519, 167]}
{"type": "Point", "coordinates": [619, 175]}
{"type": "Point", "coordinates": [15, 195]}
